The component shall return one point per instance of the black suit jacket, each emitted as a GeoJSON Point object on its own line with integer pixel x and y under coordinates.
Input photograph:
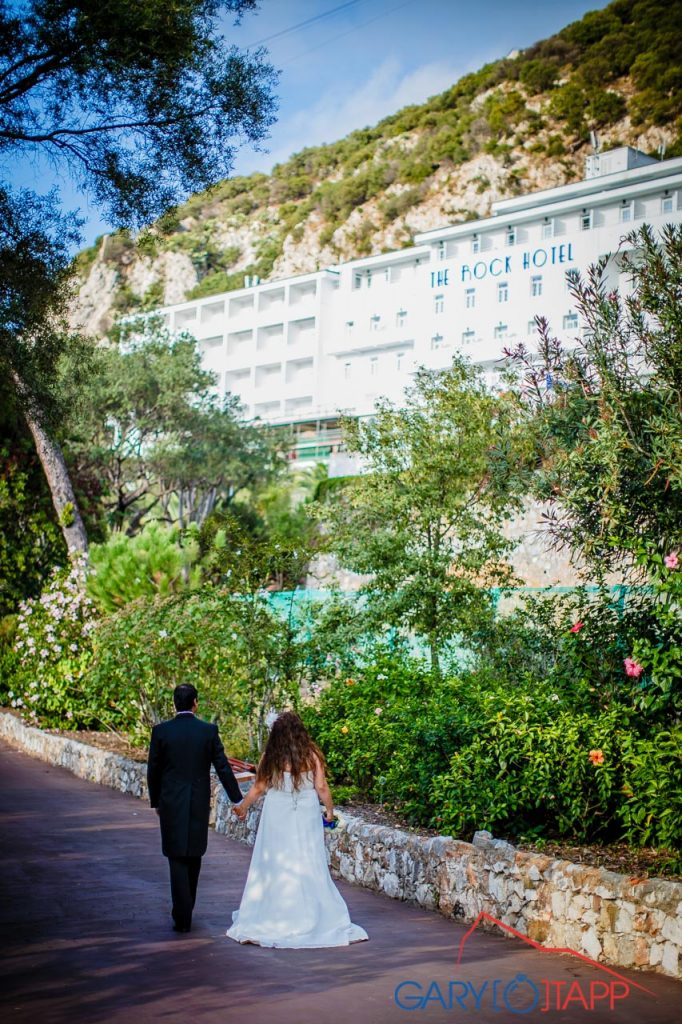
{"type": "Point", "coordinates": [181, 753]}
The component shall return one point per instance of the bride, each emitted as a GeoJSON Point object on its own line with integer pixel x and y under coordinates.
{"type": "Point", "coordinates": [290, 899]}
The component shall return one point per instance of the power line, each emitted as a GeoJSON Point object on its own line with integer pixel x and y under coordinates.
{"type": "Point", "coordinates": [308, 21]}
{"type": "Point", "coordinates": [350, 31]}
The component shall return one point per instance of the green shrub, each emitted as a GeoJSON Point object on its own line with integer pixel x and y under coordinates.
{"type": "Point", "coordinates": [396, 205]}
{"type": "Point", "coordinates": [652, 811]}
{"type": "Point", "coordinates": [538, 75]}
{"type": "Point", "coordinates": [606, 107]}
{"type": "Point", "coordinates": [220, 281]}
{"type": "Point", "coordinates": [233, 649]}
{"type": "Point", "coordinates": [155, 561]}
{"type": "Point", "coordinates": [528, 771]}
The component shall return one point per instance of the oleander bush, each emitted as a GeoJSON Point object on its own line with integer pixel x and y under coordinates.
{"type": "Point", "coordinates": [53, 650]}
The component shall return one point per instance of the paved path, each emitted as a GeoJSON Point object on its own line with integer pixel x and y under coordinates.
{"type": "Point", "coordinates": [85, 934]}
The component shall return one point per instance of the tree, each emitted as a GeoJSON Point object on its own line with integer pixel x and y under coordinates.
{"type": "Point", "coordinates": [30, 538]}
{"type": "Point", "coordinates": [604, 415]}
{"type": "Point", "coordinates": [34, 261]}
{"type": "Point", "coordinates": [148, 425]}
{"type": "Point", "coordinates": [424, 517]}
{"type": "Point", "coordinates": [140, 103]}
{"type": "Point", "coordinates": [246, 564]}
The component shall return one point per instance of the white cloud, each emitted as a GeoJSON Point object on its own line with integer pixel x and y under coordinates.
{"type": "Point", "coordinates": [337, 112]}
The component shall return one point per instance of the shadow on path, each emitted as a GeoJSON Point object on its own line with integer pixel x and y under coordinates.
{"type": "Point", "coordinates": [85, 933]}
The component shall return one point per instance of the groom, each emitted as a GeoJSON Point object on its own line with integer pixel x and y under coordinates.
{"type": "Point", "coordinates": [181, 753]}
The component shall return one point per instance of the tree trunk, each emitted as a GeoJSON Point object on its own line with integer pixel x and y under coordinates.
{"type": "Point", "coordinates": [434, 651]}
{"type": "Point", "coordinates": [63, 498]}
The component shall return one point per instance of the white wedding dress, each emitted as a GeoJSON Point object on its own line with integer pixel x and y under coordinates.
{"type": "Point", "coordinates": [290, 900]}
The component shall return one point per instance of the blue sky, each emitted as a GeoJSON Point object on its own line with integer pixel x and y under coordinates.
{"type": "Point", "coordinates": [358, 62]}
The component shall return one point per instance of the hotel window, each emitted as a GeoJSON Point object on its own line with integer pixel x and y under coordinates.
{"type": "Point", "coordinates": [532, 327]}
{"type": "Point", "coordinates": [374, 322]}
{"type": "Point", "coordinates": [536, 286]}
{"type": "Point", "coordinates": [442, 250]}
{"type": "Point", "coordinates": [500, 332]}
{"type": "Point", "coordinates": [436, 341]}
{"type": "Point", "coordinates": [667, 205]}
{"type": "Point", "coordinates": [387, 275]}
{"type": "Point", "coordinates": [468, 336]}
{"type": "Point", "coordinates": [357, 280]}
{"type": "Point", "coordinates": [626, 211]}
{"type": "Point", "coordinates": [470, 298]}
{"type": "Point", "coordinates": [438, 303]}
{"type": "Point", "coordinates": [346, 370]}
{"type": "Point", "coordinates": [503, 291]}
{"type": "Point", "coordinates": [373, 366]}
{"type": "Point", "coordinates": [399, 360]}
{"type": "Point", "coordinates": [510, 237]}
{"type": "Point", "coordinates": [369, 278]}
{"type": "Point", "coordinates": [586, 220]}
{"type": "Point", "coordinates": [400, 318]}
{"type": "Point", "coordinates": [571, 322]}
{"type": "Point", "coordinates": [350, 324]}
{"type": "Point", "coordinates": [475, 244]}
{"type": "Point", "coordinates": [547, 228]}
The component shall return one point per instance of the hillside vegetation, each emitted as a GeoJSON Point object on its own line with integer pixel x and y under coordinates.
{"type": "Point", "coordinates": [516, 125]}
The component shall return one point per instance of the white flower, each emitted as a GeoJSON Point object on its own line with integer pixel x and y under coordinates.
{"type": "Point", "coordinates": [73, 647]}
{"type": "Point", "coordinates": [69, 714]}
{"type": "Point", "coordinates": [163, 633]}
{"type": "Point", "coordinates": [555, 696]}
{"type": "Point", "coordinates": [271, 718]}
{"type": "Point", "coordinates": [44, 653]}
{"type": "Point", "coordinates": [382, 676]}
{"type": "Point", "coordinates": [33, 684]}
{"type": "Point", "coordinates": [378, 711]}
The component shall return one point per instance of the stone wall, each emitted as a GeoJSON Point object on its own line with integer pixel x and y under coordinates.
{"type": "Point", "coordinates": [86, 762]}
{"type": "Point", "coordinates": [620, 921]}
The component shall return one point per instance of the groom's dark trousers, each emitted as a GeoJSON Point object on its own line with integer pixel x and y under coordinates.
{"type": "Point", "coordinates": [181, 753]}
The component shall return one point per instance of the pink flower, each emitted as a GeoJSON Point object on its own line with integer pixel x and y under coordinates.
{"type": "Point", "coordinates": [671, 561]}
{"type": "Point", "coordinates": [378, 711]}
{"type": "Point", "coordinates": [633, 668]}
{"type": "Point", "coordinates": [577, 627]}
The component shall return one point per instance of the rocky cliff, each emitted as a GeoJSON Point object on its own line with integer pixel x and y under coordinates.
{"type": "Point", "coordinates": [519, 124]}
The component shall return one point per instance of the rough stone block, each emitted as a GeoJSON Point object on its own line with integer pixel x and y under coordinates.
{"type": "Point", "coordinates": [591, 944]}
{"type": "Point", "coordinates": [670, 961]}
{"type": "Point", "coordinates": [672, 930]}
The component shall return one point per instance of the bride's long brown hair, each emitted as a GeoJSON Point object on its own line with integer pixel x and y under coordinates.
{"type": "Point", "coordinates": [289, 748]}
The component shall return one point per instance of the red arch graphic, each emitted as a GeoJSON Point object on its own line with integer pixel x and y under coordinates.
{"type": "Point", "coordinates": [484, 915]}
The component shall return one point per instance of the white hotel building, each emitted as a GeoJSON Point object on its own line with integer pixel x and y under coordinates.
{"type": "Point", "coordinates": [301, 350]}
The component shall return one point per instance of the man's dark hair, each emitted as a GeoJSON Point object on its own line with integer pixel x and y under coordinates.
{"type": "Point", "coordinates": [184, 696]}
